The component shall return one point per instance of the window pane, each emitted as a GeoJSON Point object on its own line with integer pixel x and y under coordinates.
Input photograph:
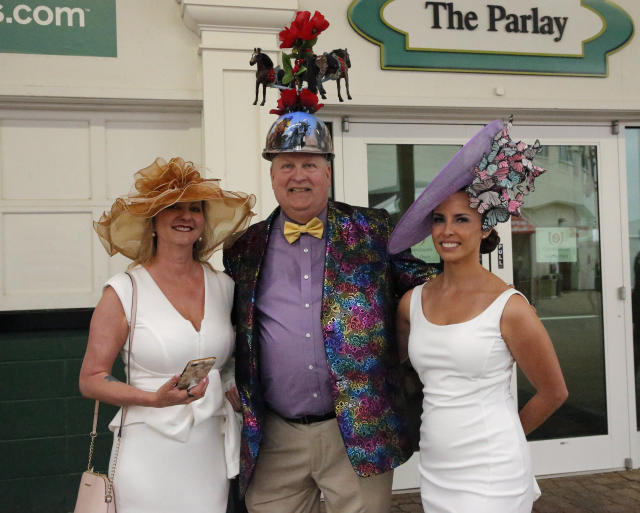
{"type": "Point", "coordinates": [633, 200]}
{"type": "Point", "coordinates": [556, 264]}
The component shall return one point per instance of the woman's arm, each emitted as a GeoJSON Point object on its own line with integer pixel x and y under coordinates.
{"type": "Point", "coordinates": [533, 351]}
{"type": "Point", "coordinates": [403, 325]}
{"type": "Point", "coordinates": [107, 334]}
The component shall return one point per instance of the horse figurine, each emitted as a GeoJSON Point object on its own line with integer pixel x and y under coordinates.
{"type": "Point", "coordinates": [334, 66]}
{"type": "Point", "coordinates": [311, 75]}
{"type": "Point", "coordinates": [266, 74]}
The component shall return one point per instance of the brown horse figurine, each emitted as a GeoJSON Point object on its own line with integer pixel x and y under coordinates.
{"type": "Point", "coordinates": [334, 66]}
{"type": "Point", "coordinates": [265, 74]}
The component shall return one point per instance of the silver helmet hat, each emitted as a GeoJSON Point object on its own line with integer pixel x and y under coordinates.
{"type": "Point", "coordinates": [298, 132]}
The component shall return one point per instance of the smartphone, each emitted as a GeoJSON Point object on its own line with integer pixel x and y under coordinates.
{"type": "Point", "coordinates": [194, 371]}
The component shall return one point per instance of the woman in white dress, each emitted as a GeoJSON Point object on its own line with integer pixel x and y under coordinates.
{"type": "Point", "coordinates": [178, 447]}
{"type": "Point", "coordinates": [463, 330]}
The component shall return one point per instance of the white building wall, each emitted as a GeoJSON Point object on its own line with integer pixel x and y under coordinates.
{"type": "Point", "coordinates": [157, 59]}
{"type": "Point", "coordinates": [186, 57]}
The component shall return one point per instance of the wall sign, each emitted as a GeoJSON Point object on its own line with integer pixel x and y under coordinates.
{"type": "Point", "coordinates": [542, 37]}
{"type": "Point", "coordinates": [58, 27]}
{"type": "Point", "coordinates": [556, 245]}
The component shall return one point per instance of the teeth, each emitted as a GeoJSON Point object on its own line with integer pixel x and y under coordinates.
{"type": "Point", "coordinates": [183, 228]}
{"type": "Point", "coordinates": [299, 189]}
{"type": "Point", "coordinates": [449, 244]}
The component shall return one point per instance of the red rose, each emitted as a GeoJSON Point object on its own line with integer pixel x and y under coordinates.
{"type": "Point", "coordinates": [303, 27]}
{"type": "Point", "coordinates": [288, 37]}
{"type": "Point", "coordinates": [302, 18]}
{"type": "Point", "coordinates": [309, 101]}
{"type": "Point", "coordinates": [307, 98]}
{"type": "Point", "coordinates": [288, 97]}
{"type": "Point", "coordinates": [319, 23]}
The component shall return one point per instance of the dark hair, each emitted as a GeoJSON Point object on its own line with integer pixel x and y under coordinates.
{"type": "Point", "coordinates": [490, 242]}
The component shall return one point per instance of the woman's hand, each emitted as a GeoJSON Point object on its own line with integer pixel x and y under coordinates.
{"type": "Point", "coordinates": [169, 394]}
{"type": "Point", "coordinates": [234, 398]}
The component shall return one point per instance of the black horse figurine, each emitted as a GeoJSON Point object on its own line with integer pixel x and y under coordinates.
{"type": "Point", "coordinates": [334, 66]}
{"type": "Point", "coordinates": [265, 74]}
{"type": "Point", "coordinates": [310, 76]}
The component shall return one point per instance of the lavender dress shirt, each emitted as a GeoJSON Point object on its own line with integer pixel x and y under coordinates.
{"type": "Point", "coordinates": [293, 363]}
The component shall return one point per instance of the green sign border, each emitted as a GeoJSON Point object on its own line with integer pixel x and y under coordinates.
{"type": "Point", "coordinates": [365, 17]}
{"type": "Point", "coordinates": [98, 38]}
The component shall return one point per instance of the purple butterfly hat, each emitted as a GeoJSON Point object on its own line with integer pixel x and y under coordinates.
{"type": "Point", "coordinates": [497, 173]}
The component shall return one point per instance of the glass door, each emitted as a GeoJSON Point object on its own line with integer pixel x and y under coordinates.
{"type": "Point", "coordinates": [561, 254]}
{"type": "Point", "coordinates": [632, 144]}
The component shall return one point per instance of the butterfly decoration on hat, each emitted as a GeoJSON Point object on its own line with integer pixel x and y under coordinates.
{"type": "Point", "coordinates": [503, 177]}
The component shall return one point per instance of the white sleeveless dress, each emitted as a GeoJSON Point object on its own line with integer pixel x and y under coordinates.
{"type": "Point", "coordinates": [474, 456]}
{"type": "Point", "coordinates": [177, 458]}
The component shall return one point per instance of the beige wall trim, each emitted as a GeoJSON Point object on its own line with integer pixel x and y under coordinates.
{"type": "Point", "coordinates": [103, 104]}
{"type": "Point", "coordinates": [426, 114]}
{"type": "Point", "coordinates": [237, 15]}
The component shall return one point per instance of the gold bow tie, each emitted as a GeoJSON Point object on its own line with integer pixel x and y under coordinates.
{"type": "Point", "coordinates": [292, 231]}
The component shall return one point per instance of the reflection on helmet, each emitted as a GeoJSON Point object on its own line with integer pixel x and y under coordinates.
{"type": "Point", "coordinates": [298, 132]}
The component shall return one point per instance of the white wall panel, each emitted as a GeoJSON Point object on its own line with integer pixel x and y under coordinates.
{"type": "Point", "coordinates": [47, 253]}
{"type": "Point", "coordinates": [45, 159]}
{"type": "Point", "coordinates": [60, 169]}
{"type": "Point", "coordinates": [132, 145]}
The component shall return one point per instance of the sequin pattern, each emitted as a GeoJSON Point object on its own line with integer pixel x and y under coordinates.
{"type": "Point", "coordinates": [362, 284]}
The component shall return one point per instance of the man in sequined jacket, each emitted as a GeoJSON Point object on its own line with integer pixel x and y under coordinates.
{"type": "Point", "coordinates": [316, 360]}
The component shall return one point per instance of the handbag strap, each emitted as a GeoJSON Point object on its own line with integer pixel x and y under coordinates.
{"type": "Point", "coordinates": [132, 325]}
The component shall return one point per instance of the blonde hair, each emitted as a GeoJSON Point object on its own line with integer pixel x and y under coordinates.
{"type": "Point", "coordinates": [149, 242]}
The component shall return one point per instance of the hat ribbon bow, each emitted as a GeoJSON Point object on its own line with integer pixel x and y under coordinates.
{"type": "Point", "coordinates": [292, 231]}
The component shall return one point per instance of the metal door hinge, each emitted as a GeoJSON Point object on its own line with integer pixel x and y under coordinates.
{"type": "Point", "coordinates": [615, 128]}
{"type": "Point", "coordinates": [622, 293]}
{"type": "Point", "coordinates": [345, 124]}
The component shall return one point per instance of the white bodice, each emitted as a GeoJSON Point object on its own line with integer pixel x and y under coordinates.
{"type": "Point", "coordinates": [164, 341]}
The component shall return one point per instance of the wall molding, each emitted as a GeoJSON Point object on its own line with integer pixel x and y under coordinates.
{"type": "Point", "coordinates": [102, 104]}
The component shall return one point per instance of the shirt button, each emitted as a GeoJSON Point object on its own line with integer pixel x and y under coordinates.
{"type": "Point", "coordinates": [306, 250]}
{"type": "Point", "coordinates": [315, 395]}
{"type": "Point", "coordinates": [306, 276]}
{"type": "Point", "coordinates": [308, 335]}
{"type": "Point", "coordinates": [310, 367]}
{"type": "Point", "coordinates": [307, 305]}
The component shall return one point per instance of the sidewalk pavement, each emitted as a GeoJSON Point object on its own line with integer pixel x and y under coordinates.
{"type": "Point", "coordinates": [611, 492]}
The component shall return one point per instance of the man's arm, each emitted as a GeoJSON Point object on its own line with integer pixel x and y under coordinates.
{"type": "Point", "coordinates": [409, 271]}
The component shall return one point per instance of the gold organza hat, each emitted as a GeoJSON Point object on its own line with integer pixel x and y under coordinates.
{"type": "Point", "coordinates": [159, 186]}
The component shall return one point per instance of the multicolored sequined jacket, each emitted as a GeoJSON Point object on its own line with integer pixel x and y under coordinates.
{"type": "Point", "coordinates": [362, 284]}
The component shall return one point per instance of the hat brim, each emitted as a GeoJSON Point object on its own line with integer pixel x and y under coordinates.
{"type": "Point", "coordinates": [160, 185]}
{"type": "Point", "coordinates": [415, 225]}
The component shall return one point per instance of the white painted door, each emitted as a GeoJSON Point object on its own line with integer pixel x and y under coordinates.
{"type": "Point", "coordinates": [564, 254]}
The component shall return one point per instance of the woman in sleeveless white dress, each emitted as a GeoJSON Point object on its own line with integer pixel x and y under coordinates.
{"type": "Point", "coordinates": [464, 329]}
{"type": "Point", "coordinates": [190, 447]}
{"type": "Point", "coordinates": [473, 453]}
{"type": "Point", "coordinates": [178, 447]}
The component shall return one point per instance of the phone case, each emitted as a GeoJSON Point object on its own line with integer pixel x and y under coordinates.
{"type": "Point", "coordinates": [194, 371]}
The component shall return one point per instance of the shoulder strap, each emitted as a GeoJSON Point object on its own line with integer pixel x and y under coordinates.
{"type": "Point", "coordinates": [500, 302]}
{"type": "Point", "coordinates": [415, 304]}
{"type": "Point", "coordinates": [132, 325]}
